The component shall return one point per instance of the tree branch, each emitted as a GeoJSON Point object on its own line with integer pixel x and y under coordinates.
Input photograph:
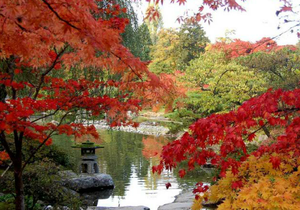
{"type": "Point", "coordinates": [45, 140]}
{"type": "Point", "coordinates": [58, 16]}
{"type": "Point", "coordinates": [267, 132]}
{"type": "Point", "coordinates": [51, 114]}
{"type": "Point", "coordinates": [6, 146]}
{"type": "Point", "coordinates": [47, 72]}
{"type": "Point", "coordinates": [139, 76]}
{"type": "Point", "coordinates": [214, 91]}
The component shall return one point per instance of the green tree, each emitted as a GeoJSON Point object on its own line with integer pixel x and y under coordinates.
{"type": "Point", "coordinates": [192, 42]}
{"type": "Point", "coordinates": [164, 56]}
{"type": "Point", "coordinates": [145, 42]}
{"type": "Point", "coordinates": [175, 49]}
{"type": "Point", "coordinates": [219, 84]}
{"type": "Point", "coordinates": [280, 68]}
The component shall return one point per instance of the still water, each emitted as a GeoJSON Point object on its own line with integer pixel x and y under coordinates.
{"type": "Point", "coordinates": [128, 158]}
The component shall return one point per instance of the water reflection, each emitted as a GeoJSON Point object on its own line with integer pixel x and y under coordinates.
{"type": "Point", "coordinates": [128, 158]}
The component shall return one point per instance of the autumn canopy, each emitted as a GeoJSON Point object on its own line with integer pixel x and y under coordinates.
{"type": "Point", "coordinates": [59, 57]}
{"type": "Point", "coordinates": [45, 47]}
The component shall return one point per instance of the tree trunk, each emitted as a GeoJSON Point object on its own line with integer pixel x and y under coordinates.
{"type": "Point", "coordinates": [20, 205]}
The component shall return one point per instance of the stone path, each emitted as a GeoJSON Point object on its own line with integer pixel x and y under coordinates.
{"type": "Point", "coordinates": [183, 201]}
{"type": "Point", "coordinates": [119, 208]}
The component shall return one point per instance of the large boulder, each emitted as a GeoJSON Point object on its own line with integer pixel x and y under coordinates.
{"type": "Point", "coordinates": [91, 198]}
{"type": "Point", "coordinates": [87, 183]}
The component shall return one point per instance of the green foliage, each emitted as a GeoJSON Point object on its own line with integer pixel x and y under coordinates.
{"type": "Point", "coordinates": [7, 202]}
{"type": "Point", "coordinates": [219, 84]}
{"type": "Point", "coordinates": [41, 183]}
{"type": "Point", "coordinates": [280, 69]}
{"type": "Point", "coordinates": [52, 153]}
{"type": "Point", "coordinates": [164, 56]}
{"type": "Point", "coordinates": [183, 118]}
{"type": "Point", "coordinates": [175, 49]}
{"type": "Point", "coordinates": [144, 42]}
{"type": "Point", "coordinates": [192, 42]}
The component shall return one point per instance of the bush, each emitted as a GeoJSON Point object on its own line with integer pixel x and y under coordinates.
{"type": "Point", "coordinates": [41, 183]}
{"type": "Point", "coordinates": [41, 180]}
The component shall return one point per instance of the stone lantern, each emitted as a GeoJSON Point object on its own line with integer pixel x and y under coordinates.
{"type": "Point", "coordinates": [88, 163]}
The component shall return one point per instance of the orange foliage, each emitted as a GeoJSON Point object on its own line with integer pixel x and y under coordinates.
{"type": "Point", "coordinates": [41, 41]}
{"type": "Point", "coordinates": [242, 48]}
{"type": "Point", "coordinates": [153, 146]}
{"type": "Point", "coordinates": [172, 90]}
{"type": "Point", "coordinates": [3, 156]}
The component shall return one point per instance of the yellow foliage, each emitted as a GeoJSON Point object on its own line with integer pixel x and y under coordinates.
{"type": "Point", "coordinates": [264, 188]}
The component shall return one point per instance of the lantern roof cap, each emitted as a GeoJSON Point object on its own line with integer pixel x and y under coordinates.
{"type": "Point", "coordinates": [88, 145]}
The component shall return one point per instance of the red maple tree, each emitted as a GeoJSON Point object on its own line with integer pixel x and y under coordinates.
{"type": "Point", "coordinates": [42, 42]}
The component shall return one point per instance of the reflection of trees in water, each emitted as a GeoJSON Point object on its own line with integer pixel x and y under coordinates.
{"type": "Point", "coordinates": [151, 179]}
{"type": "Point", "coordinates": [125, 153]}
{"type": "Point", "coordinates": [151, 151]}
{"type": "Point", "coordinates": [192, 177]}
{"type": "Point", "coordinates": [153, 146]}
{"type": "Point", "coordinates": [122, 153]}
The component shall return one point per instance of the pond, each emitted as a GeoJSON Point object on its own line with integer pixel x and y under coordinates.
{"type": "Point", "coordinates": [128, 158]}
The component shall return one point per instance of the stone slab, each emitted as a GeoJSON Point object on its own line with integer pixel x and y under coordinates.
{"type": "Point", "coordinates": [176, 206]}
{"type": "Point", "coordinates": [119, 208]}
{"type": "Point", "coordinates": [185, 197]}
{"type": "Point", "coordinates": [183, 201]}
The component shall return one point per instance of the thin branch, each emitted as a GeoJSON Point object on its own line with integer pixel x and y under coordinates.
{"type": "Point", "coordinates": [6, 146]}
{"type": "Point", "coordinates": [267, 132]}
{"type": "Point", "coordinates": [139, 76]}
{"type": "Point", "coordinates": [45, 140]}
{"type": "Point", "coordinates": [288, 30]}
{"type": "Point", "coordinates": [21, 27]}
{"type": "Point", "coordinates": [214, 91]}
{"type": "Point", "coordinates": [4, 172]}
{"type": "Point", "coordinates": [51, 114]}
{"type": "Point", "coordinates": [275, 37]}
{"type": "Point", "coordinates": [255, 131]}
{"type": "Point", "coordinates": [47, 72]}
{"type": "Point", "coordinates": [58, 16]}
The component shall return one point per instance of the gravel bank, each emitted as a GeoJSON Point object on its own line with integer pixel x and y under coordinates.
{"type": "Point", "coordinates": [146, 128]}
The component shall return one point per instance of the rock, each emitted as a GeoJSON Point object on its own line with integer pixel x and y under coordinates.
{"type": "Point", "coordinates": [176, 206]}
{"type": "Point", "coordinates": [70, 192]}
{"type": "Point", "coordinates": [119, 208]}
{"type": "Point", "coordinates": [95, 195]}
{"type": "Point", "coordinates": [58, 208]}
{"type": "Point", "coordinates": [67, 174]}
{"type": "Point", "coordinates": [91, 198]}
{"type": "Point", "coordinates": [48, 208]}
{"type": "Point", "coordinates": [87, 183]}
{"type": "Point", "coordinates": [146, 128]}
{"type": "Point", "coordinates": [1, 194]}
{"type": "Point", "coordinates": [183, 201]}
{"type": "Point", "coordinates": [185, 197]}
{"type": "Point", "coordinates": [211, 204]}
